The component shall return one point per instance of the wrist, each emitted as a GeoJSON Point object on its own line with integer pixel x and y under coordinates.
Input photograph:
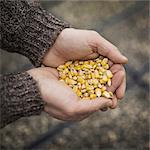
{"type": "Point", "coordinates": [54, 57]}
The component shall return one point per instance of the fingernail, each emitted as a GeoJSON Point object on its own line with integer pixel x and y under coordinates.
{"type": "Point", "coordinates": [125, 58]}
{"type": "Point", "coordinates": [109, 104]}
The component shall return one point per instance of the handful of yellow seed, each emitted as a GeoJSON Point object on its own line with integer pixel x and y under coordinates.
{"type": "Point", "coordinates": [88, 79]}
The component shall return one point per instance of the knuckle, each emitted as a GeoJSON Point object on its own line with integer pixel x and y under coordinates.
{"type": "Point", "coordinates": [119, 67]}
{"type": "Point", "coordinates": [122, 73]}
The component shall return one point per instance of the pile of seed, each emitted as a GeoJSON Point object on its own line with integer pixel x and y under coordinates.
{"type": "Point", "coordinates": [88, 79]}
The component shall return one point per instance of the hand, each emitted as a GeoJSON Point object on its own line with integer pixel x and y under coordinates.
{"type": "Point", "coordinates": [74, 44]}
{"type": "Point", "coordinates": [61, 102]}
{"type": "Point", "coordinates": [118, 82]}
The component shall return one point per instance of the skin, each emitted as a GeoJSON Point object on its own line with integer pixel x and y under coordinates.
{"type": "Point", "coordinates": [73, 44]}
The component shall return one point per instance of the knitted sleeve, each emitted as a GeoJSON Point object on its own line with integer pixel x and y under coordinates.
{"type": "Point", "coordinates": [19, 97]}
{"type": "Point", "coordinates": [28, 29]}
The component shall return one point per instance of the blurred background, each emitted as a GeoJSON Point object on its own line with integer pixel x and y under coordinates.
{"type": "Point", "coordinates": [125, 24]}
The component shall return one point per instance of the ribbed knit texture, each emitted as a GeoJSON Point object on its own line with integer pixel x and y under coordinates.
{"type": "Point", "coordinates": [26, 29]}
{"type": "Point", "coordinates": [20, 97]}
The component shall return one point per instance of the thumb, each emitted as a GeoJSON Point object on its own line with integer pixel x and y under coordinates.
{"type": "Point", "coordinates": [87, 106]}
{"type": "Point", "coordinates": [109, 50]}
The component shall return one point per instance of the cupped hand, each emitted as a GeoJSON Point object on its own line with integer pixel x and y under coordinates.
{"type": "Point", "coordinates": [118, 85]}
{"type": "Point", "coordinates": [73, 44]}
{"type": "Point", "coordinates": [60, 100]}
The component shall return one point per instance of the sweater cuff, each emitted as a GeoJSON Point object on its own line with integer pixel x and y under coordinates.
{"type": "Point", "coordinates": [20, 97]}
{"type": "Point", "coordinates": [45, 30]}
{"type": "Point", "coordinates": [28, 29]}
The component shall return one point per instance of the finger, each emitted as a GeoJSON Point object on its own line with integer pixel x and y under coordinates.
{"type": "Point", "coordinates": [53, 71]}
{"type": "Point", "coordinates": [87, 106]}
{"type": "Point", "coordinates": [121, 90]}
{"type": "Point", "coordinates": [114, 102]}
{"type": "Point", "coordinates": [107, 49]}
{"type": "Point", "coordinates": [91, 56]}
{"type": "Point", "coordinates": [116, 81]}
{"type": "Point", "coordinates": [110, 63]}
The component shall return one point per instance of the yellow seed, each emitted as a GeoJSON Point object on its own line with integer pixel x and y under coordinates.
{"type": "Point", "coordinates": [78, 93]}
{"type": "Point", "coordinates": [104, 61]}
{"type": "Point", "coordinates": [88, 79]}
{"type": "Point", "coordinates": [77, 67]}
{"type": "Point", "coordinates": [87, 66]}
{"type": "Point", "coordinates": [91, 91]}
{"type": "Point", "coordinates": [75, 88]}
{"type": "Point", "coordinates": [92, 96]}
{"type": "Point", "coordinates": [68, 63]}
{"type": "Point", "coordinates": [79, 85]}
{"type": "Point", "coordinates": [85, 62]}
{"type": "Point", "coordinates": [70, 81]}
{"type": "Point", "coordinates": [94, 66]}
{"type": "Point", "coordinates": [62, 75]}
{"type": "Point", "coordinates": [102, 81]}
{"type": "Point", "coordinates": [61, 67]}
{"type": "Point", "coordinates": [103, 88]}
{"type": "Point", "coordinates": [99, 85]}
{"type": "Point", "coordinates": [111, 94]}
{"type": "Point", "coordinates": [83, 90]}
{"type": "Point", "coordinates": [91, 88]}
{"type": "Point", "coordinates": [61, 80]}
{"type": "Point", "coordinates": [98, 92]}
{"type": "Point", "coordinates": [67, 80]}
{"type": "Point", "coordinates": [106, 66]}
{"type": "Point", "coordinates": [92, 62]}
{"type": "Point", "coordinates": [86, 94]}
{"type": "Point", "coordinates": [81, 80]}
{"type": "Point", "coordinates": [109, 74]}
{"type": "Point", "coordinates": [96, 73]}
{"type": "Point", "coordinates": [83, 86]}
{"type": "Point", "coordinates": [98, 60]}
{"type": "Point", "coordinates": [104, 78]}
{"type": "Point", "coordinates": [69, 75]}
{"type": "Point", "coordinates": [81, 62]}
{"type": "Point", "coordinates": [95, 81]}
{"type": "Point", "coordinates": [74, 78]}
{"type": "Point", "coordinates": [106, 94]}
{"type": "Point", "coordinates": [87, 86]}
{"type": "Point", "coordinates": [109, 82]}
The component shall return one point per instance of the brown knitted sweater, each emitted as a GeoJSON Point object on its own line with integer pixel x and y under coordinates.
{"type": "Point", "coordinates": [26, 29]}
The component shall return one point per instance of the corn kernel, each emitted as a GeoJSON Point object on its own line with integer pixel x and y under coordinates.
{"type": "Point", "coordinates": [103, 88]}
{"type": "Point", "coordinates": [79, 93]}
{"type": "Point", "coordinates": [94, 81]}
{"type": "Point", "coordinates": [81, 80]}
{"type": "Point", "coordinates": [106, 94]}
{"type": "Point", "coordinates": [111, 94]}
{"type": "Point", "coordinates": [109, 82]}
{"type": "Point", "coordinates": [70, 81]}
{"type": "Point", "coordinates": [88, 79]}
{"type": "Point", "coordinates": [106, 66]}
{"type": "Point", "coordinates": [62, 75]}
{"type": "Point", "coordinates": [86, 94]}
{"type": "Point", "coordinates": [109, 74]}
{"type": "Point", "coordinates": [98, 92]}
{"type": "Point", "coordinates": [68, 63]}
{"type": "Point", "coordinates": [104, 78]}
{"type": "Point", "coordinates": [75, 88]}
{"type": "Point", "coordinates": [92, 96]}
